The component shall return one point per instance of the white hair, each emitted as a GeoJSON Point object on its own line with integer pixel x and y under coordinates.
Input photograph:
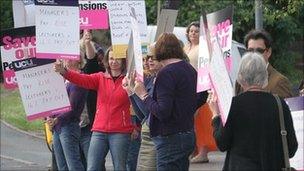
{"type": "Point", "coordinates": [253, 70]}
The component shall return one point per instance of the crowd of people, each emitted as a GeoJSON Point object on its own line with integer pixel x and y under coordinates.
{"type": "Point", "coordinates": [162, 123]}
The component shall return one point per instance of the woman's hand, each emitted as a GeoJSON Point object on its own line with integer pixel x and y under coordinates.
{"type": "Point", "coordinates": [126, 85]}
{"type": "Point", "coordinates": [140, 90]}
{"type": "Point", "coordinates": [51, 122]}
{"type": "Point", "coordinates": [87, 36]}
{"type": "Point", "coordinates": [212, 101]}
{"type": "Point", "coordinates": [58, 67]}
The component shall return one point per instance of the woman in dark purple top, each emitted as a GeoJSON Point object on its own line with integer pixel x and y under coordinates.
{"type": "Point", "coordinates": [66, 129]}
{"type": "Point", "coordinates": [172, 105]}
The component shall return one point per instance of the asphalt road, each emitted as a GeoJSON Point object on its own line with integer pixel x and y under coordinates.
{"type": "Point", "coordinates": [20, 151]}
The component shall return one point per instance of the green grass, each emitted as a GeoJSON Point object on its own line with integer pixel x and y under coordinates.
{"type": "Point", "coordinates": [12, 111]}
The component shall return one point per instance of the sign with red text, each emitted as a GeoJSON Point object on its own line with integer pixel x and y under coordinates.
{"type": "Point", "coordinates": [119, 16]}
{"type": "Point", "coordinates": [93, 15]}
{"type": "Point", "coordinates": [57, 29]}
{"type": "Point", "coordinates": [42, 90]}
{"type": "Point", "coordinates": [16, 44]}
{"type": "Point", "coordinates": [220, 29]}
{"type": "Point", "coordinates": [214, 27]}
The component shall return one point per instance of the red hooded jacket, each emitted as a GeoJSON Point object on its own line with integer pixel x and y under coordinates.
{"type": "Point", "coordinates": [113, 105]}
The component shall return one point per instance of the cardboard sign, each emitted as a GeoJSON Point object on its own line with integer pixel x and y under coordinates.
{"type": "Point", "coordinates": [16, 44]}
{"type": "Point", "coordinates": [166, 22]}
{"type": "Point", "coordinates": [120, 24]}
{"type": "Point", "coordinates": [42, 90]}
{"type": "Point", "coordinates": [57, 29]}
{"type": "Point", "coordinates": [93, 15]}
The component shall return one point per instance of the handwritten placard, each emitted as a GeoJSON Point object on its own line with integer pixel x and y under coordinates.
{"type": "Point", "coordinates": [93, 15]}
{"type": "Point", "coordinates": [120, 24]}
{"type": "Point", "coordinates": [16, 44]}
{"type": "Point", "coordinates": [42, 90]}
{"type": "Point", "coordinates": [221, 81]}
{"type": "Point", "coordinates": [57, 29]}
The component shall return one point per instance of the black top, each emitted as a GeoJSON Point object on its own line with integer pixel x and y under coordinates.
{"type": "Point", "coordinates": [251, 135]}
{"type": "Point", "coordinates": [91, 67]}
{"type": "Point", "coordinates": [174, 100]}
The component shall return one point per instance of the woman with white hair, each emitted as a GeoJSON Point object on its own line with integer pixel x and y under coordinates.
{"type": "Point", "coordinates": [251, 135]}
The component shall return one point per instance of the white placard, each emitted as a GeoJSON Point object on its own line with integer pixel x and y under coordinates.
{"type": "Point", "coordinates": [57, 32]}
{"type": "Point", "coordinates": [43, 91]}
{"type": "Point", "coordinates": [136, 46]}
{"type": "Point", "coordinates": [23, 13]}
{"type": "Point", "coordinates": [221, 82]}
{"type": "Point", "coordinates": [298, 159]}
{"type": "Point", "coordinates": [120, 24]}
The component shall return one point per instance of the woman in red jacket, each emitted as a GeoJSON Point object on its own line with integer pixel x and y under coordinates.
{"type": "Point", "coordinates": [112, 124]}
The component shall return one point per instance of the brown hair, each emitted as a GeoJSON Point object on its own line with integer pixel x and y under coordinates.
{"type": "Point", "coordinates": [105, 61]}
{"type": "Point", "coordinates": [194, 23]}
{"type": "Point", "coordinates": [167, 47]}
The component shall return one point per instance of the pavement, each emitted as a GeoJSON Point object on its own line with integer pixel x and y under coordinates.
{"type": "Point", "coordinates": [21, 150]}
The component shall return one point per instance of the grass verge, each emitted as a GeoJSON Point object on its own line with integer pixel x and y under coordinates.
{"type": "Point", "coordinates": [12, 111]}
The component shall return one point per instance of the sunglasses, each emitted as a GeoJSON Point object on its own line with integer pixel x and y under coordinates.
{"type": "Point", "coordinates": [259, 50]}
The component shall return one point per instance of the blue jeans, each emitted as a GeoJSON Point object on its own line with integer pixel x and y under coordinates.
{"type": "Point", "coordinates": [133, 154]}
{"type": "Point", "coordinates": [85, 138]}
{"type": "Point", "coordinates": [66, 147]}
{"type": "Point", "coordinates": [101, 143]}
{"type": "Point", "coordinates": [173, 151]}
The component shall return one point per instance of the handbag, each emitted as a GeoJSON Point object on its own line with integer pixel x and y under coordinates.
{"type": "Point", "coordinates": [283, 134]}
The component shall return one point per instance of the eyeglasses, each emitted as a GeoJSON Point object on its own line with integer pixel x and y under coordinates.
{"type": "Point", "coordinates": [259, 50]}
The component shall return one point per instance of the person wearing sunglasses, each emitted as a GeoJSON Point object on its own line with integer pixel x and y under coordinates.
{"type": "Point", "coordinates": [260, 41]}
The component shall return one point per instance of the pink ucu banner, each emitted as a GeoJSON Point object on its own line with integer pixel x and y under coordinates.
{"type": "Point", "coordinates": [93, 15]}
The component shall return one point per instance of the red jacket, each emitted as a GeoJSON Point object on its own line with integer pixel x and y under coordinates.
{"type": "Point", "coordinates": [113, 105]}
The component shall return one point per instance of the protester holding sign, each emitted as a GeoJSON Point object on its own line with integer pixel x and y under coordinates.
{"type": "Point", "coordinates": [202, 119]}
{"type": "Point", "coordinates": [66, 129]}
{"type": "Point", "coordinates": [252, 133]}
{"type": "Point", "coordinates": [112, 124]}
{"type": "Point", "coordinates": [172, 105]}
{"type": "Point", "coordinates": [147, 155]}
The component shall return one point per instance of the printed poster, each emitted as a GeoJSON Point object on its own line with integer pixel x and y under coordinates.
{"type": "Point", "coordinates": [42, 90]}
{"type": "Point", "coordinates": [57, 29]}
{"type": "Point", "coordinates": [203, 79]}
{"type": "Point", "coordinates": [120, 24]}
{"type": "Point", "coordinates": [93, 15]}
{"type": "Point", "coordinates": [296, 105]}
{"type": "Point", "coordinates": [16, 44]}
{"type": "Point", "coordinates": [220, 25]}
{"type": "Point", "coordinates": [214, 27]}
